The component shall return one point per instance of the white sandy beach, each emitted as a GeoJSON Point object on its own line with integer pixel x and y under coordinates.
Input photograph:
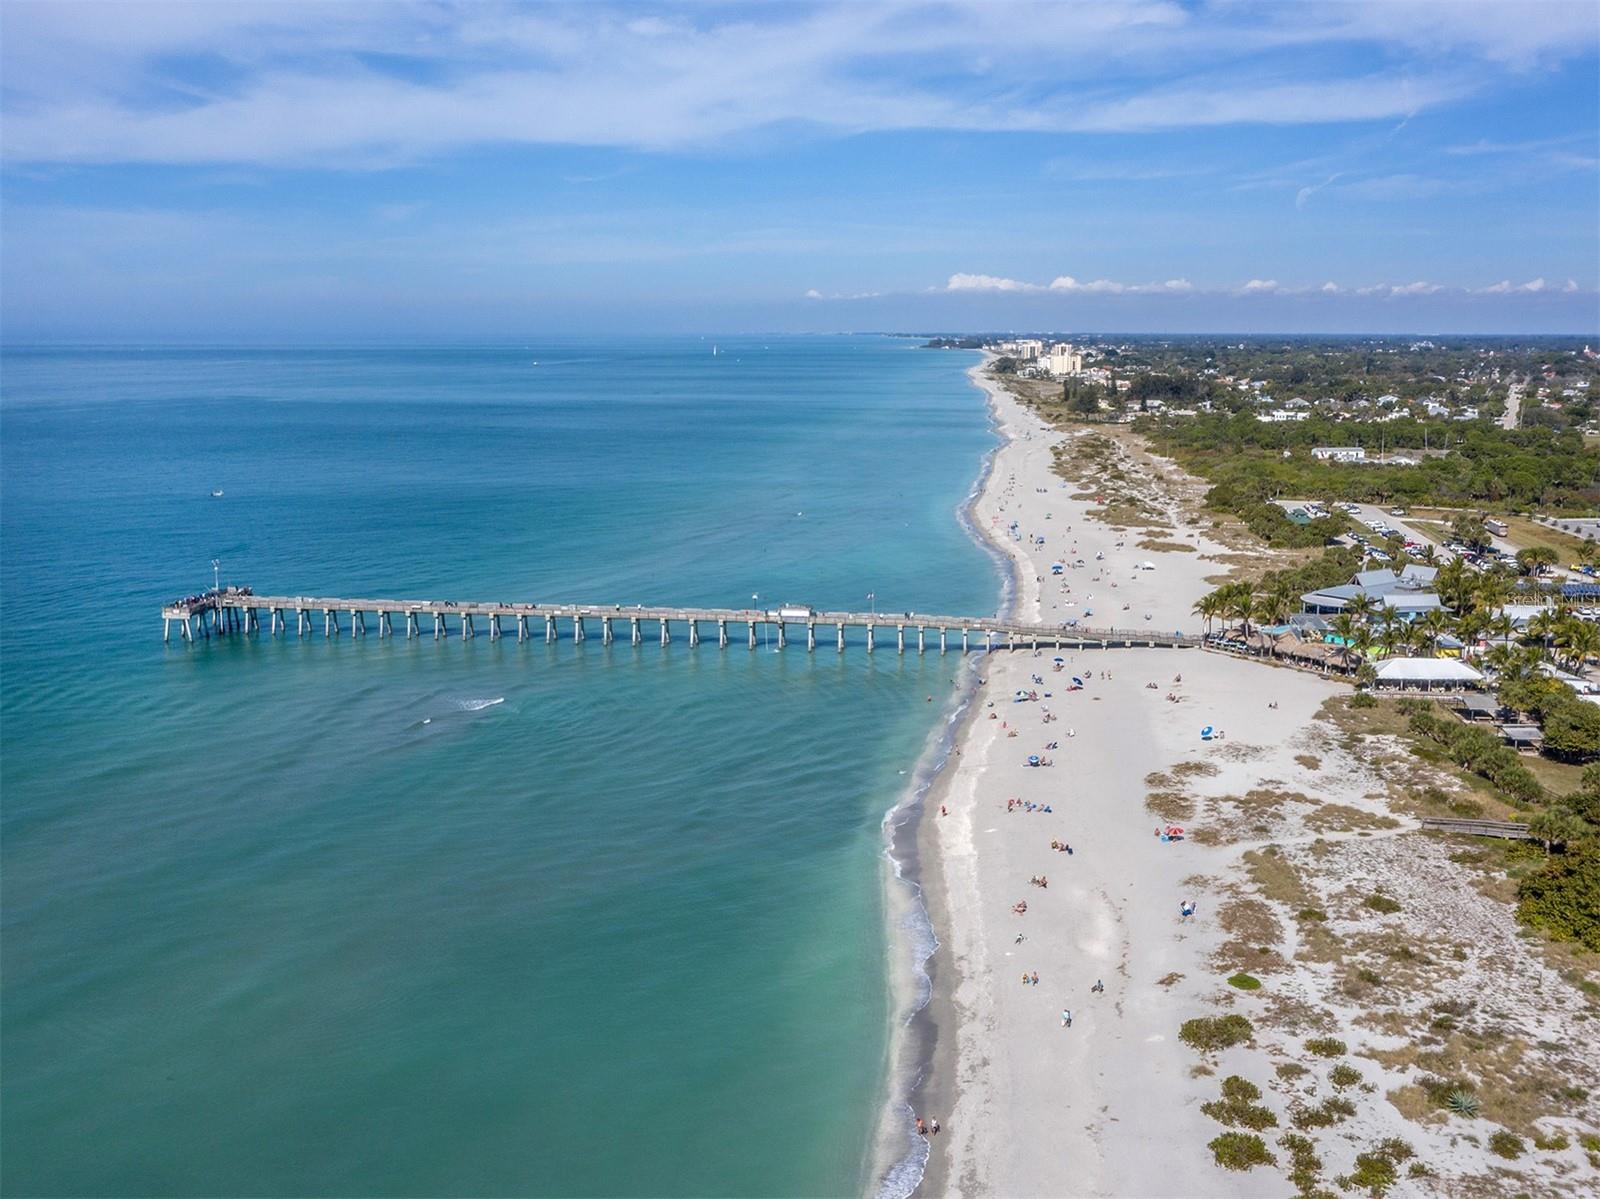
{"type": "Point", "coordinates": [1111, 1105]}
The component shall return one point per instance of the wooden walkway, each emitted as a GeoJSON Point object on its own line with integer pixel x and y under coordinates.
{"type": "Point", "coordinates": [1509, 829]}
{"type": "Point", "coordinates": [239, 610]}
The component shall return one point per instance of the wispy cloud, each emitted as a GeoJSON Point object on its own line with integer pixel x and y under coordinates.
{"type": "Point", "coordinates": [375, 85]}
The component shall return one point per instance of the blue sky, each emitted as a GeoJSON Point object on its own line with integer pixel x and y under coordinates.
{"type": "Point", "coordinates": [286, 171]}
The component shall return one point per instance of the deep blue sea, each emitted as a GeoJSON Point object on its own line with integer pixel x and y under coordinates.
{"type": "Point", "coordinates": [301, 917]}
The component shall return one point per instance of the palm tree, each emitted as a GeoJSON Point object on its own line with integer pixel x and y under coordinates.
{"type": "Point", "coordinates": [1501, 627]}
{"type": "Point", "coordinates": [1557, 826]}
{"type": "Point", "coordinates": [1470, 626]}
{"type": "Point", "coordinates": [1544, 626]}
{"type": "Point", "coordinates": [1343, 626]}
{"type": "Point", "coordinates": [1208, 606]}
{"type": "Point", "coordinates": [1581, 640]}
{"type": "Point", "coordinates": [1241, 600]}
{"type": "Point", "coordinates": [1452, 583]}
{"type": "Point", "coordinates": [1361, 606]}
{"type": "Point", "coordinates": [1435, 624]}
{"type": "Point", "coordinates": [1362, 643]}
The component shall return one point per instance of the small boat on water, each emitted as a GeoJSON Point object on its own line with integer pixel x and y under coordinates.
{"type": "Point", "coordinates": [217, 494]}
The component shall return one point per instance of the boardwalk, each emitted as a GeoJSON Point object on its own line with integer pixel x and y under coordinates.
{"type": "Point", "coordinates": [239, 611]}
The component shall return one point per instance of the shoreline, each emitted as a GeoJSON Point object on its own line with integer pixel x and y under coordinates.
{"type": "Point", "coordinates": [1027, 1106]}
{"type": "Point", "coordinates": [1030, 1103]}
{"type": "Point", "coordinates": [900, 1160]}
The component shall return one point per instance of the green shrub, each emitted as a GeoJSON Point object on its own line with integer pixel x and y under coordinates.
{"type": "Point", "coordinates": [1554, 1143]}
{"type": "Point", "coordinates": [1589, 1141]}
{"type": "Point", "coordinates": [1326, 1046]}
{"type": "Point", "coordinates": [1316, 914]}
{"type": "Point", "coordinates": [1211, 1033]}
{"type": "Point", "coordinates": [1343, 1076]}
{"type": "Point", "coordinates": [1373, 1174]}
{"type": "Point", "coordinates": [1507, 1144]}
{"type": "Point", "coordinates": [1380, 903]}
{"type": "Point", "coordinates": [1238, 1106]}
{"type": "Point", "coordinates": [1327, 1113]}
{"type": "Point", "coordinates": [1363, 699]}
{"type": "Point", "coordinates": [1241, 1089]}
{"type": "Point", "coordinates": [1304, 1164]}
{"type": "Point", "coordinates": [1240, 1151]}
{"type": "Point", "coordinates": [1562, 897]}
{"type": "Point", "coordinates": [1245, 982]}
{"type": "Point", "coordinates": [1290, 1069]}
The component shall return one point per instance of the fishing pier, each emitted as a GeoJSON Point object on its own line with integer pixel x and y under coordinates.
{"type": "Point", "coordinates": [238, 611]}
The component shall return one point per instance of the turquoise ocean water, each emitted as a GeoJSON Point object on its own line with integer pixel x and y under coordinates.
{"type": "Point", "coordinates": [297, 917]}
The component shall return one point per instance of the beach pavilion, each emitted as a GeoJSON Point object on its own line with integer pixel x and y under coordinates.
{"type": "Point", "coordinates": [1425, 674]}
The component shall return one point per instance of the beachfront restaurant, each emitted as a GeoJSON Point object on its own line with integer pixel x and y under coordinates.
{"type": "Point", "coordinates": [1426, 674]}
{"type": "Point", "coordinates": [1407, 591]}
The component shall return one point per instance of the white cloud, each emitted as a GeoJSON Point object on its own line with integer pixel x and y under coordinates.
{"type": "Point", "coordinates": [961, 282]}
{"type": "Point", "coordinates": [1067, 284]}
{"type": "Point", "coordinates": [814, 294]}
{"type": "Point", "coordinates": [372, 85]}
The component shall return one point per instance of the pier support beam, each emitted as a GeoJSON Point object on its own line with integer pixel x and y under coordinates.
{"type": "Point", "coordinates": [722, 633]}
{"type": "Point", "coordinates": [922, 638]}
{"type": "Point", "coordinates": [358, 623]}
{"type": "Point", "coordinates": [549, 629]}
{"type": "Point", "coordinates": [166, 628]}
{"type": "Point", "coordinates": [577, 628]}
{"type": "Point", "coordinates": [752, 625]}
{"type": "Point", "coordinates": [811, 636]}
{"type": "Point", "coordinates": [900, 638]}
{"type": "Point", "coordinates": [439, 629]}
{"type": "Point", "coordinates": [988, 642]}
{"type": "Point", "coordinates": [635, 633]}
{"type": "Point", "coordinates": [871, 640]}
{"type": "Point", "coordinates": [666, 635]}
{"type": "Point", "coordinates": [522, 629]}
{"type": "Point", "coordinates": [783, 635]}
{"type": "Point", "coordinates": [840, 627]}
{"type": "Point", "coordinates": [966, 640]}
{"type": "Point", "coordinates": [468, 629]}
{"type": "Point", "coordinates": [694, 632]}
{"type": "Point", "coordinates": [607, 634]}
{"type": "Point", "coordinates": [412, 629]}
{"type": "Point", "coordinates": [494, 626]}
{"type": "Point", "coordinates": [943, 647]}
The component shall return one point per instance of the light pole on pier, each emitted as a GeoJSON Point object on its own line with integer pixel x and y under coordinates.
{"type": "Point", "coordinates": [216, 575]}
{"type": "Point", "coordinates": [766, 628]}
{"type": "Point", "coordinates": [872, 599]}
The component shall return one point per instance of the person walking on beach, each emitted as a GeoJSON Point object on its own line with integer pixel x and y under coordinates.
{"type": "Point", "coordinates": [1066, 1017]}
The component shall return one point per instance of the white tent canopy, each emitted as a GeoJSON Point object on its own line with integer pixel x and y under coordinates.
{"type": "Point", "coordinates": [1426, 670]}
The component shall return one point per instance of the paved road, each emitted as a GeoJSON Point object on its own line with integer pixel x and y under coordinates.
{"type": "Point", "coordinates": [1513, 411]}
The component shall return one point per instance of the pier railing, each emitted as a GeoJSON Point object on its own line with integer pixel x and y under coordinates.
{"type": "Point", "coordinates": [238, 610]}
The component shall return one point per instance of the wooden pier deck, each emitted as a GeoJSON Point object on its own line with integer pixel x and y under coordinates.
{"type": "Point", "coordinates": [240, 611]}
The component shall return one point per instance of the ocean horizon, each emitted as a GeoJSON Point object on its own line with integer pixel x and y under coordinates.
{"type": "Point", "coordinates": [321, 917]}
